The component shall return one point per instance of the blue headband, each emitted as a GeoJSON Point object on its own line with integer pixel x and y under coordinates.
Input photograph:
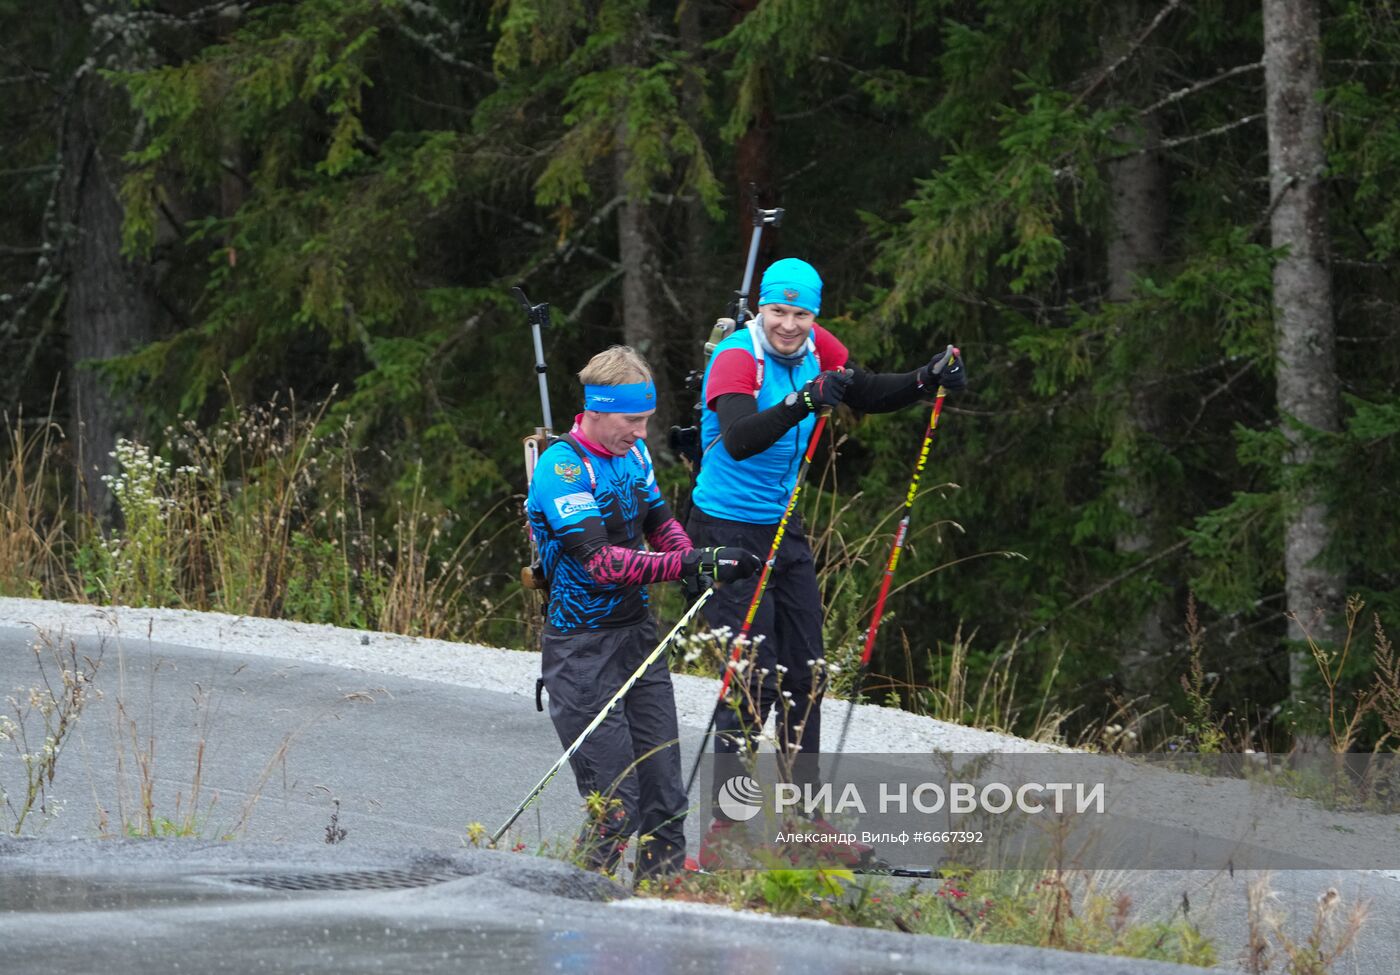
{"type": "Point", "coordinates": [627, 398]}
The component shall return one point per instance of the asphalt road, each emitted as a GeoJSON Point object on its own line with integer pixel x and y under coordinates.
{"type": "Point", "coordinates": [127, 908]}
{"type": "Point", "coordinates": [261, 748]}
{"type": "Point", "coordinates": [265, 747]}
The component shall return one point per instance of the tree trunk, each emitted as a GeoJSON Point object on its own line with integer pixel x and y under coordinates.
{"type": "Point", "coordinates": [1304, 330]}
{"type": "Point", "coordinates": [1136, 243]}
{"type": "Point", "coordinates": [752, 170]}
{"type": "Point", "coordinates": [110, 309]}
{"type": "Point", "coordinates": [640, 327]}
{"type": "Point", "coordinates": [697, 222]}
{"type": "Point", "coordinates": [701, 298]}
{"type": "Point", "coordinates": [1139, 193]}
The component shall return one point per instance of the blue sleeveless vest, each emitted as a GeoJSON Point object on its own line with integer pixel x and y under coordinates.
{"type": "Point", "coordinates": [754, 490]}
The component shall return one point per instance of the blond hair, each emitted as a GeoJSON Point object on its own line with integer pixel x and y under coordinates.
{"type": "Point", "coordinates": [616, 366]}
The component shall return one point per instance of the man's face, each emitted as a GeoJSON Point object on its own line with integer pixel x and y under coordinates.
{"type": "Point", "coordinates": [615, 432]}
{"type": "Point", "coordinates": [786, 326]}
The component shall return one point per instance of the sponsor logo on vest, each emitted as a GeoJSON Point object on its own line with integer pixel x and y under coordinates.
{"type": "Point", "coordinates": [574, 504]}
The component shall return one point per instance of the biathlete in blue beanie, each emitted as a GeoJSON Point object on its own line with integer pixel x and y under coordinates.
{"type": "Point", "coordinates": [763, 388]}
{"type": "Point", "coordinates": [593, 506]}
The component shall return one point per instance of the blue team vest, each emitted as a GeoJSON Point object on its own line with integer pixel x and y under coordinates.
{"type": "Point", "coordinates": [754, 490]}
{"type": "Point", "coordinates": [568, 489]}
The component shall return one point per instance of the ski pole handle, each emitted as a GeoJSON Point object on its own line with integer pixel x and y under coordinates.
{"type": "Point", "coordinates": [947, 358]}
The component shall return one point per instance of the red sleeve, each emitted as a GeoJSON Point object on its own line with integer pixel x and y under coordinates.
{"type": "Point", "coordinates": [733, 371]}
{"type": "Point", "coordinates": [831, 353]}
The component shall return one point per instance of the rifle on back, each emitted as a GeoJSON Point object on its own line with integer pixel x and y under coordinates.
{"type": "Point", "coordinates": [537, 316]}
{"type": "Point", "coordinates": [685, 441]}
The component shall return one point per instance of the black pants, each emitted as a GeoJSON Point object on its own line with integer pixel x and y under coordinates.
{"type": "Point", "coordinates": [789, 620]}
{"type": "Point", "coordinates": [634, 755]}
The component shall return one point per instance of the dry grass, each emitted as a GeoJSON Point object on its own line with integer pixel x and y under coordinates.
{"type": "Point", "coordinates": [1272, 947]}
{"type": "Point", "coordinates": [38, 722]}
{"type": "Point", "coordinates": [264, 514]}
{"type": "Point", "coordinates": [32, 527]}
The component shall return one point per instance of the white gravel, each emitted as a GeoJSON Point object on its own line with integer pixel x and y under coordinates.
{"type": "Point", "coordinates": [873, 729]}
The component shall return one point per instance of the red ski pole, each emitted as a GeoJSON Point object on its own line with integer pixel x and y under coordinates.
{"type": "Point", "coordinates": [900, 534]}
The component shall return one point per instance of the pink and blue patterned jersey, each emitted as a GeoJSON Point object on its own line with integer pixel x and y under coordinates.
{"type": "Point", "coordinates": [574, 519]}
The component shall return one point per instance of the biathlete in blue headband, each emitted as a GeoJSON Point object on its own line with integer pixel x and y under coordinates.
{"type": "Point", "coordinates": [593, 507]}
{"type": "Point", "coordinates": [763, 388]}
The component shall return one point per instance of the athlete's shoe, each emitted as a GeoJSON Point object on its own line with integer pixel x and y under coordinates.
{"type": "Point", "coordinates": [717, 847]}
{"type": "Point", "coordinates": [836, 851]}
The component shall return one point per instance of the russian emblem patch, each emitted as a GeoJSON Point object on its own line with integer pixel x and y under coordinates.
{"type": "Point", "coordinates": [568, 472]}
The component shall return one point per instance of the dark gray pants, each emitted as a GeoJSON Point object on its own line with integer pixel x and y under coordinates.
{"type": "Point", "coordinates": [634, 755]}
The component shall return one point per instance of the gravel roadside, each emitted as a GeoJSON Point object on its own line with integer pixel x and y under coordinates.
{"type": "Point", "coordinates": [873, 729]}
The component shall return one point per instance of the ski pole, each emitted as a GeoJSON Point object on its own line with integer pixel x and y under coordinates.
{"type": "Point", "coordinates": [739, 641]}
{"type": "Point", "coordinates": [900, 534]}
{"type": "Point", "coordinates": [607, 709]}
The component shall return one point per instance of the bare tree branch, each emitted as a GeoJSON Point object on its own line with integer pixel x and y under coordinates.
{"type": "Point", "coordinates": [1181, 93]}
{"type": "Point", "coordinates": [567, 248]}
{"type": "Point", "coordinates": [428, 43]}
{"type": "Point", "coordinates": [1132, 49]}
{"type": "Point", "coordinates": [563, 251]}
{"type": "Point", "coordinates": [24, 79]}
{"type": "Point", "coordinates": [1100, 589]}
{"type": "Point", "coordinates": [50, 323]}
{"type": "Point", "coordinates": [30, 170]}
{"type": "Point", "coordinates": [220, 8]}
{"type": "Point", "coordinates": [655, 272]}
{"type": "Point", "coordinates": [1218, 130]}
{"type": "Point", "coordinates": [593, 292]}
{"type": "Point", "coordinates": [1205, 400]}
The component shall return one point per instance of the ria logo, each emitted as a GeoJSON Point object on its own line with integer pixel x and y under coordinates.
{"type": "Point", "coordinates": [740, 798]}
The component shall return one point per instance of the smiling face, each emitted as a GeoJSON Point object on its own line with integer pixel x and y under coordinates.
{"type": "Point", "coordinates": [787, 326]}
{"type": "Point", "coordinates": [615, 432]}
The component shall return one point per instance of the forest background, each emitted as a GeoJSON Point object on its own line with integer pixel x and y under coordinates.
{"type": "Point", "coordinates": [255, 262]}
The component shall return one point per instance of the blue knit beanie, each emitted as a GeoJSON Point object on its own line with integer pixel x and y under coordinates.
{"type": "Point", "coordinates": [792, 282]}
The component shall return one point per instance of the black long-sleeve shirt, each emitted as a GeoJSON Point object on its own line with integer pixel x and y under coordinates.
{"type": "Point", "coordinates": [747, 430]}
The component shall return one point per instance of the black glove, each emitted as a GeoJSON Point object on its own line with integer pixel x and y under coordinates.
{"type": "Point", "coordinates": [946, 370]}
{"type": "Point", "coordinates": [828, 389]}
{"type": "Point", "coordinates": [721, 563]}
